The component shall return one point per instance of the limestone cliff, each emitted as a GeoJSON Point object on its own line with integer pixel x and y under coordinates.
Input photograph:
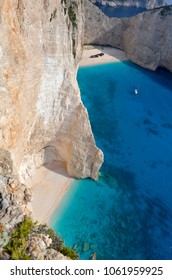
{"type": "Point", "coordinates": [102, 30]}
{"type": "Point", "coordinates": [41, 111]}
{"type": "Point", "coordinates": [148, 4]}
{"type": "Point", "coordinates": [146, 38]}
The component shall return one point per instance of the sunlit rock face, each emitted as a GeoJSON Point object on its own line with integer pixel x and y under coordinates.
{"type": "Point", "coordinates": [146, 38]}
{"type": "Point", "coordinates": [42, 118]}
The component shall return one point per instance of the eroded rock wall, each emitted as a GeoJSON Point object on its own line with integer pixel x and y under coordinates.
{"type": "Point", "coordinates": [146, 38]}
{"type": "Point", "coordinates": [40, 46]}
{"type": "Point", "coordinates": [102, 30]}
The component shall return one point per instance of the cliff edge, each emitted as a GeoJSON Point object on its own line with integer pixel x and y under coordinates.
{"type": "Point", "coordinates": [42, 118]}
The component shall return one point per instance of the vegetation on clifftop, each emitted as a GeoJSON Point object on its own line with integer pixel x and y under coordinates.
{"type": "Point", "coordinates": [17, 246]}
{"type": "Point", "coordinates": [19, 243]}
{"type": "Point", "coordinates": [57, 243]}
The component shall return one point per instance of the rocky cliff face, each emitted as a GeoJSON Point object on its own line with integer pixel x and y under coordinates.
{"type": "Point", "coordinates": [102, 30]}
{"type": "Point", "coordinates": [152, 47]}
{"type": "Point", "coordinates": [41, 110]}
{"type": "Point", "coordinates": [42, 118]}
{"type": "Point", "coordinates": [148, 4]}
{"type": "Point", "coordinates": [146, 38]}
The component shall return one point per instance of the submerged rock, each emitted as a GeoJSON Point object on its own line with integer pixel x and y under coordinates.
{"type": "Point", "coordinates": [86, 247]}
{"type": "Point", "coordinates": [75, 247]}
{"type": "Point", "coordinates": [123, 225]}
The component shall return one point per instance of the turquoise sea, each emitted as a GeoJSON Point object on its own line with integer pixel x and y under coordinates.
{"type": "Point", "coordinates": [127, 213]}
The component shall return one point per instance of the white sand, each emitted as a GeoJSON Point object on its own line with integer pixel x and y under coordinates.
{"type": "Point", "coordinates": [110, 55]}
{"type": "Point", "coordinates": [49, 186]}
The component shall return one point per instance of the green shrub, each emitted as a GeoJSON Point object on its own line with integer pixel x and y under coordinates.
{"type": "Point", "coordinates": [18, 242]}
{"type": "Point", "coordinates": [67, 251]}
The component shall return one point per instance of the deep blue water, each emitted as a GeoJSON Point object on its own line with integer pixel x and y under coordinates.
{"type": "Point", "coordinates": [127, 214]}
{"type": "Point", "coordinates": [120, 12]}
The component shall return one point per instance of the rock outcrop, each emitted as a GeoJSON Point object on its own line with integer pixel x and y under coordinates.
{"type": "Point", "coordinates": [15, 197]}
{"type": "Point", "coordinates": [148, 4]}
{"type": "Point", "coordinates": [20, 237]}
{"type": "Point", "coordinates": [146, 38]}
{"type": "Point", "coordinates": [15, 205]}
{"type": "Point", "coordinates": [15, 201]}
{"type": "Point", "coordinates": [40, 46]}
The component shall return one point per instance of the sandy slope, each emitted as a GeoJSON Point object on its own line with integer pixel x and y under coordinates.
{"type": "Point", "coordinates": [49, 185]}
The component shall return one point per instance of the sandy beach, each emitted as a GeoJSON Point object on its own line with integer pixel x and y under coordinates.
{"type": "Point", "coordinates": [109, 55]}
{"type": "Point", "coordinates": [49, 186]}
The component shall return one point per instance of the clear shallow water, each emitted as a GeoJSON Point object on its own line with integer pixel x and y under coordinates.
{"type": "Point", "coordinates": [120, 12]}
{"type": "Point", "coordinates": [127, 214]}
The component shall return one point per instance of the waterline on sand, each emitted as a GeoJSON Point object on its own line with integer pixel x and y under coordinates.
{"type": "Point", "coordinates": [91, 55]}
{"type": "Point", "coordinates": [49, 184]}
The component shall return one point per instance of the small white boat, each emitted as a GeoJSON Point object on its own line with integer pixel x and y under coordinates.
{"type": "Point", "coordinates": [136, 91]}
